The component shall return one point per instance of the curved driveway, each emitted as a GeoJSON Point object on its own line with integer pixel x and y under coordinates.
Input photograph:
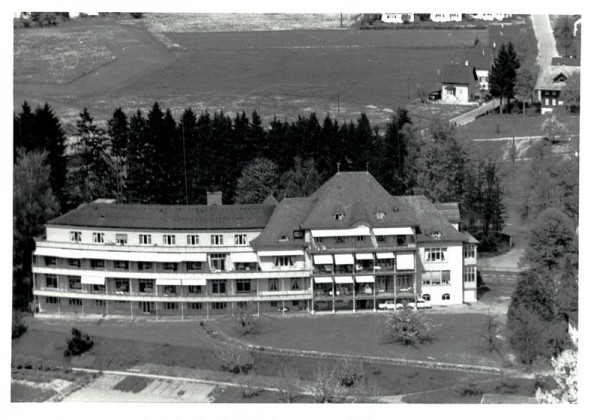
{"type": "Point", "coordinates": [545, 38]}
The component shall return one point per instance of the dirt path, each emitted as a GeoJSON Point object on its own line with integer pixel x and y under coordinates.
{"type": "Point", "coordinates": [545, 37]}
{"type": "Point", "coordinates": [504, 262]}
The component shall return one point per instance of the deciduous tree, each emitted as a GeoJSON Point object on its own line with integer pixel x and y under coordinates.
{"type": "Point", "coordinates": [302, 181]}
{"type": "Point", "coordinates": [565, 376]}
{"type": "Point", "coordinates": [551, 239]}
{"type": "Point", "coordinates": [259, 180]}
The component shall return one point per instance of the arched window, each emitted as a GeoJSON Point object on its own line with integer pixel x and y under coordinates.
{"type": "Point", "coordinates": [426, 297]}
{"type": "Point", "coordinates": [446, 296]}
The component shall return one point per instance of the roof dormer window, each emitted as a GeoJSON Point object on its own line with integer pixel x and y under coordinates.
{"type": "Point", "coordinates": [436, 234]}
{"type": "Point", "coordinates": [380, 215]}
{"type": "Point", "coordinates": [284, 238]}
{"type": "Point", "coordinates": [338, 216]}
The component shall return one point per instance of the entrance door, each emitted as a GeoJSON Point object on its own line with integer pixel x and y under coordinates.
{"type": "Point", "coordinates": [147, 307]}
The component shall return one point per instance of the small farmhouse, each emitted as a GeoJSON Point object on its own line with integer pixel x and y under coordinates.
{"type": "Point", "coordinates": [551, 82]}
{"type": "Point", "coordinates": [446, 17]}
{"type": "Point", "coordinates": [458, 83]}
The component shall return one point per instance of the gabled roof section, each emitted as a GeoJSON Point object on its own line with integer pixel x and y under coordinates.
{"type": "Point", "coordinates": [478, 58]}
{"type": "Point", "coordinates": [270, 200]}
{"type": "Point", "coordinates": [449, 210]}
{"type": "Point", "coordinates": [457, 74]}
{"type": "Point", "coordinates": [435, 227]}
{"type": "Point", "coordinates": [286, 218]}
{"type": "Point", "coordinates": [167, 217]}
{"type": "Point", "coordinates": [358, 197]}
{"type": "Point", "coordinates": [547, 77]}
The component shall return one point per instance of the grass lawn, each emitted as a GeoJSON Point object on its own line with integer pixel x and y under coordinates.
{"type": "Point", "coordinates": [471, 392]}
{"type": "Point", "coordinates": [458, 337]}
{"type": "Point", "coordinates": [131, 344]}
{"type": "Point", "coordinates": [496, 126]}
{"type": "Point", "coordinates": [26, 393]}
{"type": "Point", "coordinates": [237, 395]}
{"type": "Point", "coordinates": [283, 73]}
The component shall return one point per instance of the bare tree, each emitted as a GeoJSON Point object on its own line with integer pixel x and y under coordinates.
{"type": "Point", "coordinates": [245, 321]}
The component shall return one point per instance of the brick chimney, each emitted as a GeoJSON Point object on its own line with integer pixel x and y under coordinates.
{"type": "Point", "coordinates": [214, 198]}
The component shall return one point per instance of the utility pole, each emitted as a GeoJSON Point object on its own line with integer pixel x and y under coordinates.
{"type": "Point", "coordinates": [338, 100]}
{"type": "Point", "coordinates": [408, 83]}
{"type": "Point", "coordinates": [341, 23]}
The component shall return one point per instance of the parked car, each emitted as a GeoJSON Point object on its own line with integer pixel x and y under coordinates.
{"type": "Point", "coordinates": [421, 304]}
{"type": "Point", "coordinates": [389, 304]}
{"type": "Point", "coordinates": [283, 309]}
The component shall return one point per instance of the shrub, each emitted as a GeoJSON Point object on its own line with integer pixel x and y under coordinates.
{"type": "Point", "coordinates": [408, 327]}
{"type": "Point", "coordinates": [137, 15]}
{"type": "Point", "coordinates": [350, 373]}
{"type": "Point", "coordinates": [78, 343]}
{"type": "Point", "coordinates": [470, 389]}
{"type": "Point", "coordinates": [236, 360]}
{"type": "Point", "coordinates": [245, 321]}
{"type": "Point", "coordinates": [326, 387]}
{"type": "Point", "coordinates": [18, 327]}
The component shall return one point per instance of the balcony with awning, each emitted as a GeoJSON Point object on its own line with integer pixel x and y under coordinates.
{"type": "Point", "coordinates": [384, 261]}
{"type": "Point", "coordinates": [344, 263]}
{"type": "Point", "coordinates": [245, 261]}
{"type": "Point", "coordinates": [323, 263]}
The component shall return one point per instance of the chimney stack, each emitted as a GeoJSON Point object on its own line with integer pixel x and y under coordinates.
{"type": "Point", "coordinates": [214, 198]}
{"type": "Point", "coordinates": [467, 63]}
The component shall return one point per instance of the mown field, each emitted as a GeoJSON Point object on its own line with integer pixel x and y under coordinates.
{"type": "Point", "coordinates": [283, 73]}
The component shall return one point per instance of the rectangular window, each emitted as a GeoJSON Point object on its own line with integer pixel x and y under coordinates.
{"type": "Point", "coordinates": [436, 278]}
{"type": "Point", "coordinates": [216, 239]}
{"type": "Point", "coordinates": [284, 261]}
{"type": "Point", "coordinates": [193, 239]}
{"type": "Point", "coordinates": [360, 239]}
{"type": "Point", "coordinates": [74, 263]}
{"type": "Point", "coordinates": [546, 101]}
{"type": "Point", "coordinates": [435, 254]}
{"type": "Point", "coordinates": [98, 237]}
{"type": "Point", "coordinates": [169, 266]}
{"type": "Point", "coordinates": [121, 265]}
{"type": "Point", "coordinates": [121, 238]}
{"type": "Point", "coordinates": [400, 240]}
{"type": "Point", "coordinates": [170, 290]}
{"type": "Point", "coordinates": [75, 302]}
{"type": "Point", "coordinates": [217, 262]}
{"type": "Point", "coordinates": [168, 239]}
{"type": "Point", "coordinates": [194, 306]}
{"type": "Point", "coordinates": [101, 303]}
{"type": "Point", "coordinates": [50, 261]}
{"type": "Point", "coordinates": [380, 238]}
{"type": "Point", "coordinates": [76, 237]}
{"type": "Point", "coordinates": [145, 239]}
{"type": "Point", "coordinates": [99, 288]}
{"type": "Point", "coordinates": [193, 266]}
{"type": "Point", "coordinates": [470, 274]}
{"type": "Point", "coordinates": [218, 286]}
{"type": "Point", "coordinates": [319, 240]}
{"type": "Point", "coordinates": [469, 251]}
{"type": "Point", "coordinates": [219, 305]}
{"type": "Point", "coordinates": [121, 286]}
{"type": "Point", "coordinates": [273, 284]}
{"type": "Point", "coordinates": [145, 266]}
{"type": "Point", "coordinates": [241, 239]}
{"type": "Point", "coordinates": [194, 290]}
{"type": "Point", "coordinates": [243, 286]}
{"type": "Point", "coordinates": [146, 286]}
{"type": "Point", "coordinates": [340, 240]}
{"type": "Point", "coordinates": [51, 281]}
{"type": "Point", "coordinates": [273, 304]}
{"type": "Point", "coordinates": [74, 282]}
{"type": "Point", "coordinates": [171, 306]}
{"type": "Point", "coordinates": [298, 234]}
{"type": "Point", "coordinates": [52, 300]}
{"type": "Point", "coordinates": [97, 264]}
{"type": "Point", "coordinates": [295, 284]}
{"type": "Point", "coordinates": [553, 101]}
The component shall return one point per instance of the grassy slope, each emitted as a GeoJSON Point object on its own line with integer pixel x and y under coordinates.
{"type": "Point", "coordinates": [458, 338]}
{"type": "Point", "coordinates": [496, 126]}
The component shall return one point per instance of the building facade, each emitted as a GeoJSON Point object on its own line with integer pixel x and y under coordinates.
{"type": "Point", "coordinates": [348, 247]}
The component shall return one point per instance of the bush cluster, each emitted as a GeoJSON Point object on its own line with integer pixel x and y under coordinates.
{"type": "Point", "coordinates": [18, 327]}
{"type": "Point", "coordinates": [78, 343]}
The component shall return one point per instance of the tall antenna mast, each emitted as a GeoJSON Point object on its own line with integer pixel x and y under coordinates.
{"type": "Point", "coordinates": [184, 160]}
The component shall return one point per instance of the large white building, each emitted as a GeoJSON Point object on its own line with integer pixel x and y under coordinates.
{"type": "Point", "coordinates": [349, 246]}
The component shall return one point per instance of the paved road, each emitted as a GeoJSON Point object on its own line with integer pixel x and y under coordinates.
{"type": "Point", "coordinates": [546, 41]}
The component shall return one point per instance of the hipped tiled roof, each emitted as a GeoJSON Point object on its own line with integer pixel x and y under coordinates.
{"type": "Point", "coordinates": [167, 217]}
{"type": "Point", "coordinates": [286, 218]}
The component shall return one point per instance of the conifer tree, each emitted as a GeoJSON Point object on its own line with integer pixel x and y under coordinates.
{"type": "Point", "coordinates": [118, 133]}
{"type": "Point", "coordinates": [503, 76]}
